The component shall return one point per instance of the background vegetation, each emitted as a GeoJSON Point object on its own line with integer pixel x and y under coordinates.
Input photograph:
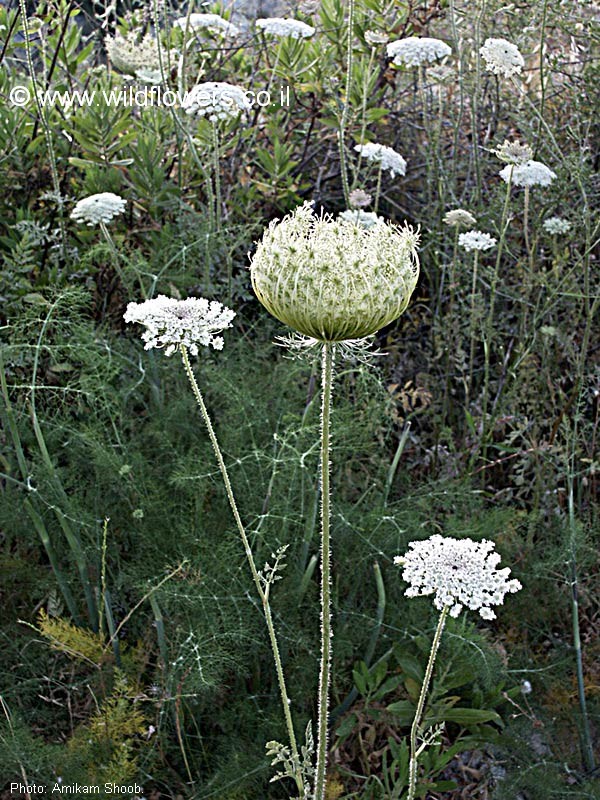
{"type": "Point", "coordinates": [132, 646]}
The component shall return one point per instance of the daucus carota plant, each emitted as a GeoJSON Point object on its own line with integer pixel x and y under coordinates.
{"type": "Point", "coordinates": [185, 325]}
{"type": "Point", "coordinates": [458, 573]}
{"type": "Point", "coordinates": [332, 281]}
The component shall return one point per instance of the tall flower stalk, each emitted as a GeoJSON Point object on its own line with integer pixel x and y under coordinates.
{"type": "Point", "coordinates": [183, 325]}
{"type": "Point", "coordinates": [458, 572]}
{"type": "Point", "coordinates": [333, 281]}
{"type": "Point", "coordinates": [346, 107]}
{"type": "Point", "coordinates": [326, 630]}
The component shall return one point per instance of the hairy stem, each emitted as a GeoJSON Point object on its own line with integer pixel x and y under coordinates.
{"type": "Point", "coordinates": [414, 753]}
{"type": "Point", "coordinates": [326, 632]}
{"type": "Point", "coordinates": [285, 701]}
{"type": "Point", "coordinates": [344, 119]}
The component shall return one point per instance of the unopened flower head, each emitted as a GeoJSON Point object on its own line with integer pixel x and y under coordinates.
{"type": "Point", "coordinates": [171, 323]}
{"type": "Point", "coordinates": [502, 57]}
{"type": "Point", "coordinates": [513, 152]}
{"type": "Point", "coordinates": [333, 280]}
{"type": "Point", "coordinates": [359, 217]}
{"type": "Point", "coordinates": [358, 198]}
{"type": "Point", "coordinates": [458, 572]}
{"type": "Point", "coordinates": [476, 240]}
{"type": "Point", "coordinates": [459, 218]}
{"type": "Point", "coordinates": [417, 50]}
{"type": "Point", "coordinates": [282, 26]}
{"type": "Point", "coordinates": [530, 173]}
{"type": "Point", "coordinates": [129, 53]}
{"type": "Point", "coordinates": [376, 37]}
{"type": "Point", "coordinates": [388, 158]}
{"type": "Point", "coordinates": [98, 208]}
{"type": "Point", "coordinates": [216, 100]}
{"type": "Point", "coordinates": [210, 22]}
{"type": "Point", "coordinates": [557, 226]}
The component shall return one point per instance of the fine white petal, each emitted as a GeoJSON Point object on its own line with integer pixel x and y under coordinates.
{"type": "Point", "coordinates": [530, 173]}
{"type": "Point", "coordinates": [460, 572]}
{"type": "Point", "coordinates": [170, 323]}
{"type": "Point", "coordinates": [416, 50]}
{"type": "Point", "coordinates": [211, 22]}
{"type": "Point", "coordinates": [502, 57]}
{"type": "Point", "coordinates": [556, 226]}
{"type": "Point", "coordinates": [98, 208]}
{"type": "Point", "coordinates": [386, 156]}
{"type": "Point", "coordinates": [216, 100]}
{"type": "Point", "coordinates": [476, 240]}
{"type": "Point", "coordinates": [283, 26]}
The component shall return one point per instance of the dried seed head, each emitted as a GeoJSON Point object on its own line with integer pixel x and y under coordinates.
{"type": "Point", "coordinates": [333, 280]}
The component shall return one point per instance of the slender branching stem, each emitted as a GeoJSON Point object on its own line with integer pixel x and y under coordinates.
{"type": "Point", "coordinates": [326, 632]}
{"type": "Point", "coordinates": [414, 753]}
{"type": "Point", "coordinates": [285, 701]}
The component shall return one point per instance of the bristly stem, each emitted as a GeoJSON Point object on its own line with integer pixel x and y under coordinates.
{"type": "Point", "coordinates": [285, 701]}
{"type": "Point", "coordinates": [414, 753]}
{"type": "Point", "coordinates": [215, 133]}
{"type": "Point", "coordinates": [326, 631]}
{"type": "Point", "coordinates": [344, 119]}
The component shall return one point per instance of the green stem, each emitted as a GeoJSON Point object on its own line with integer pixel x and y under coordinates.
{"type": "Point", "coordinates": [473, 315]}
{"type": "Point", "coordinates": [414, 754]}
{"type": "Point", "coordinates": [344, 118]}
{"type": "Point", "coordinates": [326, 631]}
{"type": "Point", "coordinates": [215, 134]}
{"type": "Point", "coordinates": [285, 701]}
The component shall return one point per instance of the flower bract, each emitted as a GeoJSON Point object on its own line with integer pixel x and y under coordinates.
{"type": "Point", "coordinates": [334, 280]}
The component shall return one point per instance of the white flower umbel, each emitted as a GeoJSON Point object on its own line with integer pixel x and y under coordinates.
{"type": "Point", "coordinates": [331, 279]}
{"type": "Point", "coordinates": [557, 226]}
{"type": "Point", "coordinates": [375, 38]}
{"type": "Point", "coordinates": [389, 159]}
{"type": "Point", "coordinates": [458, 573]}
{"type": "Point", "coordinates": [283, 26]}
{"type": "Point", "coordinates": [501, 57]}
{"type": "Point", "coordinates": [98, 208]}
{"type": "Point", "coordinates": [476, 240]}
{"type": "Point", "coordinates": [513, 152]}
{"type": "Point", "coordinates": [172, 323]}
{"type": "Point", "coordinates": [530, 173]}
{"type": "Point", "coordinates": [415, 51]}
{"type": "Point", "coordinates": [365, 219]}
{"type": "Point", "coordinates": [131, 53]}
{"type": "Point", "coordinates": [210, 22]}
{"type": "Point", "coordinates": [458, 217]}
{"type": "Point", "coordinates": [216, 100]}
{"type": "Point", "coordinates": [358, 198]}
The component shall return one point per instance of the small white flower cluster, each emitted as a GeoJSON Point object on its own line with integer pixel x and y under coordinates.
{"type": "Point", "coordinates": [459, 572]}
{"type": "Point", "coordinates": [132, 55]}
{"type": "Point", "coordinates": [171, 323]}
{"type": "Point", "coordinates": [557, 226]}
{"type": "Point", "coordinates": [358, 198]}
{"type": "Point", "coordinates": [211, 22]}
{"type": "Point", "coordinates": [459, 217]}
{"type": "Point", "coordinates": [365, 219]}
{"type": "Point", "coordinates": [530, 173]}
{"type": "Point", "coordinates": [476, 240]}
{"type": "Point", "coordinates": [513, 152]}
{"type": "Point", "coordinates": [98, 208]}
{"type": "Point", "coordinates": [376, 37]}
{"type": "Point", "coordinates": [216, 100]}
{"type": "Point", "coordinates": [416, 50]}
{"type": "Point", "coordinates": [386, 156]}
{"type": "Point", "coordinates": [502, 57]}
{"type": "Point", "coordinates": [283, 26]}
